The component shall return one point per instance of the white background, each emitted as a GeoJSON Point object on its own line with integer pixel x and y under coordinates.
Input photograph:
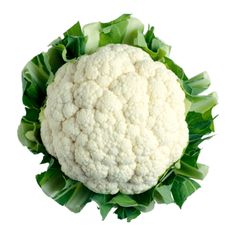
{"type": "Point", "coordinates": [202, 35]}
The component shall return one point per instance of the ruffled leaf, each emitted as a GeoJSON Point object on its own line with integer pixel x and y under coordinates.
{"type": "Point", "coordinates": [103, 201]}
{"type": "Point", "coordinates": [198, 83]}
{"type": "Point", "coordinates": [123, 200]}
{"type": "Point", "coordinates": [29, 131]}
{"type": "Point", "coordinates": [65, 191]}
{"type": "Point", "coordinates": [182, 188]}
{"type": "Point", "coordinates": [199, 171]}
{"type": "Point", "coordinates": [128, 213]}
{"type": "Point", "coordinates": [163, 194]}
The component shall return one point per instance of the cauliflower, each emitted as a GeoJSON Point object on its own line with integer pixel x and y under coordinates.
{"type": "Point", "coordinates": [115, 120]}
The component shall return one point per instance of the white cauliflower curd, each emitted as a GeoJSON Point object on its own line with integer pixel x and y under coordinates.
{"type": "Point", "coordinates": [115, 120]}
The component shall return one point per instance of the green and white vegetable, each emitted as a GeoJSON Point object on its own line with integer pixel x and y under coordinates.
{"type": "Point", "coordinates": [118, 122]}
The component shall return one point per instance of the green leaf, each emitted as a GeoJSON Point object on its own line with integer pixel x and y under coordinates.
{"type": "Point", "coordinates": [74, 46]}
{"type": "Point", "coordinates": [139, 41]}
{"type": "Point", "coordinates": [47, 159]}
{"type": "Point", "coordinates": [126, 30]}
{"type": "Point", "coordinates": [157, 48]}
{"type": "Point", "coordinates": [144, 200]}
{"type": "Point", "coordinates": [32, 114]}
{"type": "Point", "coordinates": [163, 194]}
{"type": "Point", "coordinates": [35, 76]}
{"type": "Point", "coordinates": [128, 213]}
{"type": "Point", "coordinates": [121, 18]}
{"type": "Point", "coordinates": [73, 194]}
{"type": "Point", "coordinates": [69, 48]}
{"type": "Point", "coordinates": [182, 188]}
{"type": "Point", "coordinates": [113, 33]}
{"type": "Point", "coordinates": [29, 135]}
{"type": "Point", "coordinates": [92, 35]}
{"type": "Point", "coordinates": [175, 69]}
{"type": "Point", "coordinates": [117, 31]}
{"type": "Point", "coordinates": [103, 202]}
{"type": "Point", "coordinates": [80, 197]}
{"type": "Point", "coordinates": [123, 200]}
{"type": "Point", "coordinates": [198, 172]}
{"type": "Point", "coordinates": [199, 125]}
{"type": "Point", "coordinates": [75, 30]}
{"type": "Point", "coordinates": [134, 28]}
{"type": "Point", "coordinates": [63, 197]}
{"type": "Point", "coordinates": [99, 34]}
{"type": "Point", "coordinates": [191, 154]}
{"type": "Point", "coordinates": [143, 207]}
{"type": "Point", "coordinates": [149, 36]}
{"type": "Point", "coordinates": [202, 104]}
{"type": "Point", "coordinates": [198, 83]}
{"type": "Point", "coordinates": [51, 182]}
{"type": "Point", "coordinates": [55, 59]}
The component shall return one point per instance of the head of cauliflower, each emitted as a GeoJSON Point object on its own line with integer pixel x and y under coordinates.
{"type": "Point", "coordinates": [115, 120]}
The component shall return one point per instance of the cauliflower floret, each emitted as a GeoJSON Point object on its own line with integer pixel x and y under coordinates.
{"type": "Point", "coordinates": [115, 120]}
